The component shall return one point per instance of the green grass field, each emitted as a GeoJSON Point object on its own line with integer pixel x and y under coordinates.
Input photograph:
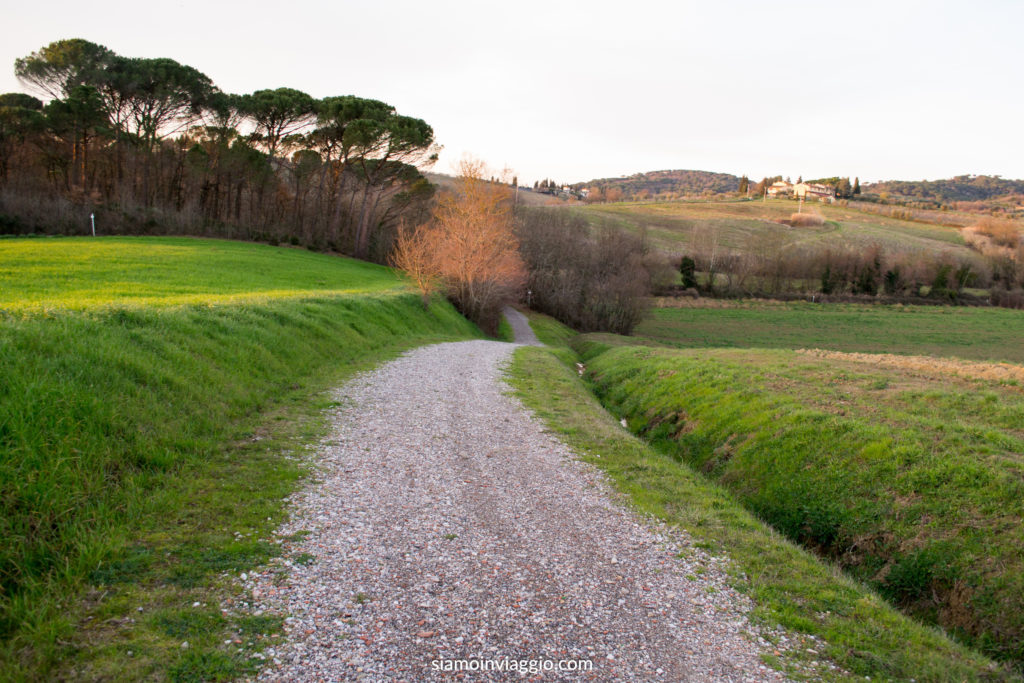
{"type": "Point", "coordinates": [79, 273]}
{"type": "Point", "coordinates": [669, 225]}
{"type": "Point", "coordinates": [151, 393]}
{"type": "Point", "coordinates": [988, 334]}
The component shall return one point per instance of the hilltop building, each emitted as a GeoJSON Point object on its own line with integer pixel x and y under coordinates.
{"type": "Point", "coordinates": [781, 188]}
{"type": "Point", "coordinates": [823, 193]}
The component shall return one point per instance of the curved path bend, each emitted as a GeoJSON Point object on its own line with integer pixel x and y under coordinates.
{"type": "Point", "coordinates": [446, 524]}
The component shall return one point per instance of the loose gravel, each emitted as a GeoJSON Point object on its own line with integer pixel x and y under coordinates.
{"type": "Point", "coordinates": [520, 325]}
{"type": "Point", "coordinates": [445, 524]}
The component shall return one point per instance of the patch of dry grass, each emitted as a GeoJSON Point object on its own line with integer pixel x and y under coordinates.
{"type": "Point", "coordinates": [806, 220]}
{"type": "Point", "coordinates": [928, 365]}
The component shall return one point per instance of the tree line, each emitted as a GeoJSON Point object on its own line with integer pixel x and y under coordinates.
{"type": "Point", "coordinates": [964, 188]}
{"type": "Point", "coordinates": [154, 146]}
{"type": "Point", "coordinates": [771, 263]}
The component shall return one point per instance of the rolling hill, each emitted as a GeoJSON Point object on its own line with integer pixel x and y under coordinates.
{"type": "Point", "coordinates": [680, 182]}
{"type": "Point", "coordinates": [671, 225]}
{"type": "Point", "coordinates": [964, 188]}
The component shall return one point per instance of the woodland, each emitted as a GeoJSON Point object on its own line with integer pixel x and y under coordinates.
{"type": "Point", "coordinates": [153, 146]}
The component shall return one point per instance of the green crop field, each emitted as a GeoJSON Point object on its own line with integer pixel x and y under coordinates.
{"type": "Point", "coordinates": [989, 334]}
{"type": "Point", "coordinates": [669, 225]}
{"type": "Point", "coordinates": [151, 393]}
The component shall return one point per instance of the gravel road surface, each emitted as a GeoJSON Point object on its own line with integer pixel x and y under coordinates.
{"type": "Point", "coordinates": [521, 327]}
{"type": "Point", "coordinates": [446, 524]}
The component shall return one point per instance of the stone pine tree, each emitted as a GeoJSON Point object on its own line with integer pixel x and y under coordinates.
{"type": "Point", "coordinates": [78, 119]}
{"type": "Point", "coordinates": [20, 115]}
{"type": "Point", "coordinates": [61, 66]}
{"type": "Point", "coordinates": [277, 113]}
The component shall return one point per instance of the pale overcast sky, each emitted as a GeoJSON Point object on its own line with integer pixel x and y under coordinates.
{"type": "Point", "coordinates": [574, 91]}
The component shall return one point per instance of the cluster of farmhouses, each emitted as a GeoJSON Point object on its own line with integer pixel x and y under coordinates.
{"type": "Point", "coordinates": [805, 191]}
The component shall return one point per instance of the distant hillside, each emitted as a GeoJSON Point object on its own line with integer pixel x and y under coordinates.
{"type": "Point", "coordinates": [679, 182]}
{"type": "Point", "coordinates": [964, 188]}
{"type": "Point", "coordinates": [443, 181]}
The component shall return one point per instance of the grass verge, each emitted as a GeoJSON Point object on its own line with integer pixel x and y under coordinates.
{"type": "Point", "coordinates": [790, 587]}
{"type": "Point", "coordinates": [143, 461]}
{"type": "Point", "coordinates": [147, 448]}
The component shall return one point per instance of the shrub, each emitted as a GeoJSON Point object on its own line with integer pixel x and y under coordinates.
{"type": "Point", "coordinates": [914, 576]}
{"type": "Point", "coordinates": [893, 280]}
{"type": "Point", "coordinates": [941, 288]}
{"type": "Point", "coordinates": [1007, 299]}
{"type": "Point", "coordinates": [828, 280]}
{"type": "Point", "coordinates": [688, 272]}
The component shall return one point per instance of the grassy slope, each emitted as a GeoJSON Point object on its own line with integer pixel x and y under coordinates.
{"type": "Point", "coordinates": [970, 333]}
{"type": "Point", "coordinates": [912, 483]}
{"type": "Point", "coordinates": [144, 446]}
{"type": "Point", "coordinates": [789, 586]}
{"type": "Point", "coordinates": [669, 224]}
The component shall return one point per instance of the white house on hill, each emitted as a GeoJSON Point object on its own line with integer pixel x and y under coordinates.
{"type": "Point", "coordinates": [780, 188]}
{"type": "Point", "coordinates": [822, 193]}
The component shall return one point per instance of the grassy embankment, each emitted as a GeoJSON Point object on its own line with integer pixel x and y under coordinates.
{"type": "Point", "coordinates": [731, 409]}
{"type": "Point", "coordinates": [153, 393]}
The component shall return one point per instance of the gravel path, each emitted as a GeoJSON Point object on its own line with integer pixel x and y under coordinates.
{"type": "Point", "coordinates": [446, 524]}
{"type": "Point", "coordinates": [520, 327]}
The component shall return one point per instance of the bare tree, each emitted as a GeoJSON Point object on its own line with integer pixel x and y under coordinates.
{"type": "Point", "coordinates": [414, 253]}
{"type": "Point", "coordinates": [470, 245]}
{"type": "Point", "coordinates": [706, 244]}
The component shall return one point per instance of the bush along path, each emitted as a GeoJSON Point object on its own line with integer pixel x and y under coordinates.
{"type": "Point", "coordinates": [445, 524]}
